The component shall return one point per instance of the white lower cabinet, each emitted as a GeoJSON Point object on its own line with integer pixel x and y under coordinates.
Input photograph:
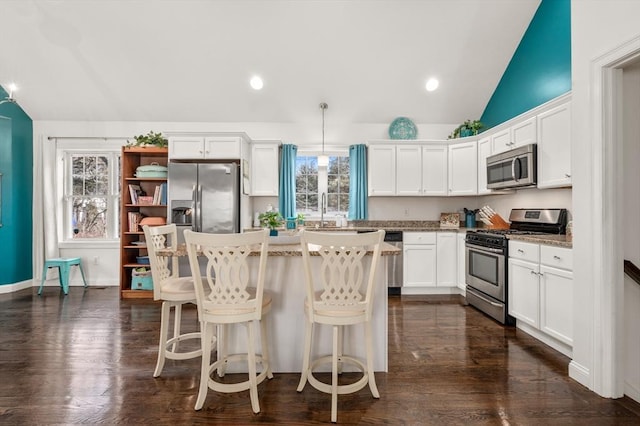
{"type": "Point", "coordinates": [447, 259]}
{"type": "Point", "coordinates": [419, 259]}
{"type": "Point", "coordinates": [541, 292]}
{"type": "Point", "coordinates": [462, 258]}
{"type": "Point", "coordinates": [430, 259]}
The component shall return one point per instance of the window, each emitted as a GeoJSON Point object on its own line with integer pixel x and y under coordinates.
{"type": "Point", "coordinates": [312, 181]}
{"type": "Point", "coordinates": [91, 195]}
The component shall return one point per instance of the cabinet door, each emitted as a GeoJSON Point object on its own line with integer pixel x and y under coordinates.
{"type": "Point", "coordinates": [264, 169]}
{"type": "Point", "coordinates": [556, 303]}
{"type": "Point", "coordinates": [463, 169]}
{"type": "Point", "coordinates": [462, 258]}
{"type": "Point", "coordinates": [434, 170]}
{"type": "Point", "coordinates": [419, 265]}
{"type": "Point", "coordinates": [447, 259]}
{"type": "Point", "coordinates": [524, 292]}
{"type": "Point", "coordinates": [484, 150]}
{"type": "Point", "coordinates": [501, 141]}
{"type": "Point", "coordinates": [524, 132]}
{"type": "Point", "coordinates": [554, 147]}
{"type": "Point", "coordinates": [409, 174]}
{"type": "Point", "coordinates": [187, 147]}
{"type": "Point", "coordinates": [222, 148]}
{"type": "Point", "coordinates": [382, 170]}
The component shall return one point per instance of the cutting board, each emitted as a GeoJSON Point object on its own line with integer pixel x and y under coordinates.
{"type": "Point", "coordinates": [449, 220]}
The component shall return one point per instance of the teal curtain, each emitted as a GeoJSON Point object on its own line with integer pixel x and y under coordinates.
{"type": "Point", "coordinates": [358, 182]}
{"type": "Point", "coordinates": [288, 181]}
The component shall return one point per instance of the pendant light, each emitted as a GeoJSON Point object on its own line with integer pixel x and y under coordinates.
{"type": "Point", "coordinates": [10, 99]}
{"type": "Point", "coordinates": [323, 160]}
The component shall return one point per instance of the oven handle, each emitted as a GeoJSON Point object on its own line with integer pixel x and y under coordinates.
{"type": "Point", "coordinates": [484, 299]}
{"type": "Point", "coordinates": [487, 249]}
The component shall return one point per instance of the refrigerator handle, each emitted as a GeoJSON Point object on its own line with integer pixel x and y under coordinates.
{"type": "Point", "coordinates": [199, 208]}
{"type": "Point", "coordinates": [194, 212]}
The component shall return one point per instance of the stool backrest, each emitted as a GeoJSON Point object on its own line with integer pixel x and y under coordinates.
{"type": "Point", "coordinates": [222, 273]}
{"type": "Point", "coordinates": [344, 281]}
{"type": "Point", "coordinates": [162, 267]}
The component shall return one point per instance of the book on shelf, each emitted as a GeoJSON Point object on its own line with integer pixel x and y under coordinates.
{"type": "Point", "coordinates": [163, 194]}
{"type": "Point", "coordinates": [135, 191]}
{"type": "Point", "coordinates": [156, 195]}
{"type": "Point", "coordinates": [134, 221]}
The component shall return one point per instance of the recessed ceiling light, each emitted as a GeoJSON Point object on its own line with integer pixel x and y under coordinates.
{"type": "Point", "coordinates": [432, 84]}
{"type": "Point", "coordinates": [256, 82]}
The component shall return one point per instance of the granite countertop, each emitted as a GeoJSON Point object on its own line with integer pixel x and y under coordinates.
{"type": "Point", "coordinates": [548, 239]}
{"type": "Point", "coordinates": [429, 226]}
{"type": "Point", "coordinates": [287, 250]}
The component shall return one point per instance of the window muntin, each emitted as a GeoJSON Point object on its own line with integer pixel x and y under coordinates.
{"type": "Point", "coordinates": [91, 196]}
{"type": "Point", "coordinates": [313, 180]}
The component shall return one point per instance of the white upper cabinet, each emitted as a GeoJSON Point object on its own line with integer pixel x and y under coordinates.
{"type": "Point", "coordinates": [501, 141]}
{"type": "Point", "coordinates": [524, 132]}
{"type": "Point", "coordinates": [382, 170]}
{"type": "Point", "coordinates": [265, 162]}
{"type": "Point", "coordinates": [554, 147]}
{"type": "Point", "coordinates": [463, 169]}
{"type": "Point", "coordinates": [192, 147]}
{"type": "Point", "coordinates": [409, 172]}
{"type": "Point", "coordinates": [484, 150]}
{"type": "Point", "coordinates": [434, 170]}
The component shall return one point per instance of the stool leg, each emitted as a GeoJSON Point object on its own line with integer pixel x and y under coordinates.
{"type": "Point", "coordinates": [162, 344]}
{"type": "Point", "coordinates": [251, 361]}
{"type": "Point", "coordinates": [334, 375]}
{"type": "Point", "coordinates": [82, 273]}
{"type": "Point", "coordinates": [63, 276]}
{"type": "Point", "coordinates": [307, 354]}
{"type": "Point", "coordinates": [44, 276]}
{"type": "Point", "coordinates": [264, 338]}
{"type": "Point", "coordinates": [206, 342]}
{"type": "Point", "coordinates": [370, 373]}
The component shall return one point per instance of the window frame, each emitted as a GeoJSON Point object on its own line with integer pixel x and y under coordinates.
{"type": "Point", "coordinates": [65, 152]}
{"type": "Point", "coordinates": [323, 179]}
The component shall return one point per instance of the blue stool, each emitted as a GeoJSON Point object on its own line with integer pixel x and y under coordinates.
{"type": "Point", "coordinates": [64, 267]}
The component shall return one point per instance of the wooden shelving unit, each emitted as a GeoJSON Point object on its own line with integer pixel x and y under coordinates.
{"type": "Point", "coordinates": [132, 157]}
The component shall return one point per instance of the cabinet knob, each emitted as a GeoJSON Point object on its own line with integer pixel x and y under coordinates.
{"type": "Point", "coordinates": [520, 251]}
{"type": "Point", "coordinates": [556, 257]}
{"type": "Point", "coordinates": [534, 273]}
{"type": "Point", "coordinates": [567, 175]}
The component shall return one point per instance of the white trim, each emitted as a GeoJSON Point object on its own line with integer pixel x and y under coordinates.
{"type": "Point", "coordinates": [606, 246]}
{"type": "Point", "coordinates": [10, 288]}
{"type": "Point", "coordinates": [579, 373]}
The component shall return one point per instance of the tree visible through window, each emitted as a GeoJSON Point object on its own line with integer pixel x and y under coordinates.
{"type": "Point", "coordinates": [92, 195]}
{"type": "Point", "coordinates": [312, 181]}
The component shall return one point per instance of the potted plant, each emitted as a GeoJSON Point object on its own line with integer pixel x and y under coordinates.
{"type": "Point", "coordinates": [300, 219]}
{"type": "Point", "coordinates": [271, 220]}
{"type": "Point", "coordinates": [150, 139]}
{"type": "Point", "coordinates": [468, 128]}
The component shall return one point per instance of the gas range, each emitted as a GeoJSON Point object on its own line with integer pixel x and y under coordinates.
{"type": "Point", "coordinates": [487, 251]}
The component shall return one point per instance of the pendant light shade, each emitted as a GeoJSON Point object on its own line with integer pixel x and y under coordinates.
{"type": "Point", "coordinates": [323, 160]}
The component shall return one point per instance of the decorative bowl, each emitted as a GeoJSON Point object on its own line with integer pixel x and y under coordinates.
{"type": "Point", "coordinates": [402, 128]}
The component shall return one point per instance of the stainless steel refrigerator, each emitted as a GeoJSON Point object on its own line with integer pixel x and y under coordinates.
{"type": "Point", "coordinates": [204, 197]}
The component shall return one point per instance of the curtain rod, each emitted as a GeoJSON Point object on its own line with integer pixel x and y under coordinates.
{"type": "Point", "coordinates": [104, 138]}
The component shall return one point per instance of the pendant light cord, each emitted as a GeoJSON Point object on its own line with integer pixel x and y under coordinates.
{"type": "Point", "coordinates": [323, 106]}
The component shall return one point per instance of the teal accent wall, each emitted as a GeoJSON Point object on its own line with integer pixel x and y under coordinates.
{"type": "Point", "coordinates": [540, 68]}
{"type": "Point", "coordinates": [16, 166]}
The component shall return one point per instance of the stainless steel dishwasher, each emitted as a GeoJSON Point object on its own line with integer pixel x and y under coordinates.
{"type": "Point", "coordinates": [394, 263]}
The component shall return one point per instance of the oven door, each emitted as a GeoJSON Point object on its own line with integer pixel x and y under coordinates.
{"type": "Point", "coordinates": [485, 270]}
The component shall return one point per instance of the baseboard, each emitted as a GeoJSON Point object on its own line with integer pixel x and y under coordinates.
{"type": "Point", "coordinates": [632, 391]}
{"type": "Point", "coordinates": [10, 288]}
{"type": "Point", "coordinates": [429, 290]}
{"type": "Point", "coordinates": [580, 374]}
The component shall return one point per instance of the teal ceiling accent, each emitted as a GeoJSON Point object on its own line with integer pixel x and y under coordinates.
{"type": "Point", "coordinates": [540, 68]}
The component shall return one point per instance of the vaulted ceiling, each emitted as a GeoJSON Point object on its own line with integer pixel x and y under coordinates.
{"type": "Point", "coordinates": [189, 61]}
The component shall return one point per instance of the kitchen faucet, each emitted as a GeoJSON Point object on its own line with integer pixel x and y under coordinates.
{"type": "Point", "coordinates": [323, 208]}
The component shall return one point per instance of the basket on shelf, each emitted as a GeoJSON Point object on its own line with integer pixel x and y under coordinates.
{"type": "Point", "coordinates": [141, 279]}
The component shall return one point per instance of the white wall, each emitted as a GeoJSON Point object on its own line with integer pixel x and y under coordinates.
{"type": "Point", "coordinates": [597, 27]}
{"type": "Point", "coordinates": [631, 319]}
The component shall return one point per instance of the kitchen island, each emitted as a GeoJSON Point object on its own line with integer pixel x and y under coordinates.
{"type": "Point", "coordinates": [286, 283]}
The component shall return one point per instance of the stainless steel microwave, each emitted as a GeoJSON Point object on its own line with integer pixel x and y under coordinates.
{"type": "Point", "coordinates": [515, 168]}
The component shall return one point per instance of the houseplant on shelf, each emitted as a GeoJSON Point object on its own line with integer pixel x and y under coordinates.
{"type": "Point", "coordinates": [271, 220]}
{"type": "Point", "coordinates": [468, 128]}
{"type": "Point", "coordinates": [150, 139]}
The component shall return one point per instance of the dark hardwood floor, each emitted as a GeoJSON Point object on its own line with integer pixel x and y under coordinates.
{"type": "Point", "coordinates": [88, 358]}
